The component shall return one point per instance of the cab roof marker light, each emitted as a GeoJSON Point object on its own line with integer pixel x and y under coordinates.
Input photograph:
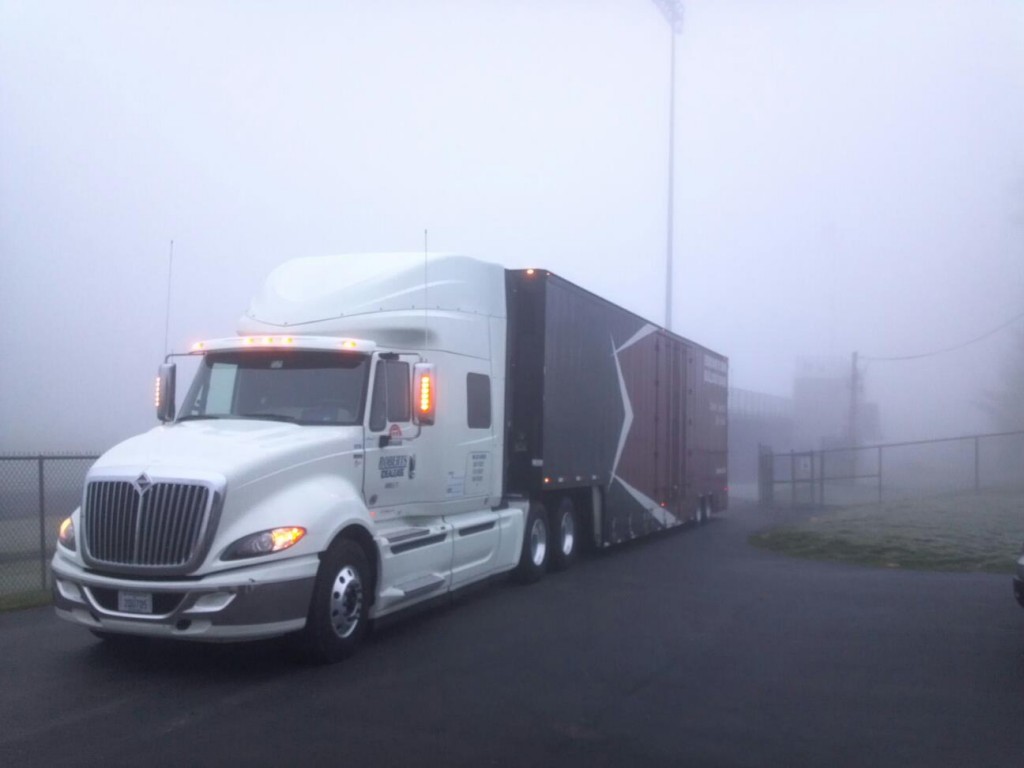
{"type": "Point", "coordinates": [324, 343]}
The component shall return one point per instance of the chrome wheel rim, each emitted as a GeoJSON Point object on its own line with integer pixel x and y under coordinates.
{"type": "Point", "coordinates": [568, 533]}
{"type": "Point", "coordinates": [538, 541]}
{"type": "Point", "coordinates": [346, 602]}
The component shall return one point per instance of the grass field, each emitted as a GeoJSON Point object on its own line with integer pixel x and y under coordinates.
{"type": "Point", "coordinates": [24, 600]}
{"type": "Point", "coordinates": [967, 532]}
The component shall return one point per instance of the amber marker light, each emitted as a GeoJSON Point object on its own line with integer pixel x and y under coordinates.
{"type": "Point", "coordinates": [286, 537]}
{"type": "Point", "coordinates": [426, 394]}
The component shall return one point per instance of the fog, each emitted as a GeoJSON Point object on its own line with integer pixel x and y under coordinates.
{"type": "Point", "coordinates": [849, 176]}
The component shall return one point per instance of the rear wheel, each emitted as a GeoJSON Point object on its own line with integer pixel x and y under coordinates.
{"type": "Point", "coordinates": [339, 611]}
{"type": "Point", "coordinates": [564, 535]}
{"type": "Point", "coordinates": [534, 555]}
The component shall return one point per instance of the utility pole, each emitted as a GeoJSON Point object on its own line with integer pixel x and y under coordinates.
{"type": "Point", "coordinates": [673, 12]}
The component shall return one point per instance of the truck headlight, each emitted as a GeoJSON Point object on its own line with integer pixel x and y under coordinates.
{"type": "Point", "coordinates": [264, 543]}
{"type": "Point", "coordinates": [66, 534]}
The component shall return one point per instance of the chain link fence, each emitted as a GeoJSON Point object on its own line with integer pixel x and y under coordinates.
{"type": "Point", "coordinates": [36, 493]}
{"type": "Point", "coordinates": [894, 471]}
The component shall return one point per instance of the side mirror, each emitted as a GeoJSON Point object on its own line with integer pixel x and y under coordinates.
{"type": "Point", "coordinates": [424, 394]}
{"type": "Point", "coordinates": [165, 392]}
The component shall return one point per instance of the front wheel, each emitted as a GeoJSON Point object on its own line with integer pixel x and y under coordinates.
{"type": "Point", "coordinates": [533, 557]}
{"type": "Point", "coordinates": [339, 611]}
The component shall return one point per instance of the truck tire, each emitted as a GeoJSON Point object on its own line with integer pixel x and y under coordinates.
{"type": "Point", "coordinates": [533, 558]}
{"type": "Point", "coordinates": [564, 535]}
{"type": "Point", "coordinates": [339, 610]}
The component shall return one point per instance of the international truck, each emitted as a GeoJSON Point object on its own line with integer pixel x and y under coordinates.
{"type": "Point", "coordinates": [383, 430]}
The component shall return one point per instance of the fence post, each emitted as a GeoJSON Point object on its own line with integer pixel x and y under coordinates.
{"type": "Point", "coordinates": [42, 526]}
{"type": "Point", "coordinates": [879, 474]}
{"type": "Point", "coordinates": [977, 473]}
{"type": "Point", "coordinates": [792, 478]}
{"type": "Point", "coordinates": [822, 479]}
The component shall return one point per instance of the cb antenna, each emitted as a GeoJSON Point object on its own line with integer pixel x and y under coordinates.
{"type": "Point", "coordinates": [425, 289]}
{"type": "Point", "coordinates": [167, 314]}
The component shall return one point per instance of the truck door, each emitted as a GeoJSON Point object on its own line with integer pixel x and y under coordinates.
{"type": "Point", "coordinates": [390, 480]}
{"type": "Point", "coordinates": [415, 540]}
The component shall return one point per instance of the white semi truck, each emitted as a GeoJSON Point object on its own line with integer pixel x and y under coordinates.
{"type": "Point", "coordinates": [386, 429]}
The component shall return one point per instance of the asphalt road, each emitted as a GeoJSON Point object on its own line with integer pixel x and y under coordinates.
{"type": "Point", "coordinates": [689, 649]}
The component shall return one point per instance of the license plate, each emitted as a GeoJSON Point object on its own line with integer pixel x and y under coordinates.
{"type": "Point", "coordinates": [135, 602]}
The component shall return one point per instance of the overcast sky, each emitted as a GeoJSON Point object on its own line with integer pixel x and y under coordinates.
{"type": "Point", "coordinates": [849, 176]}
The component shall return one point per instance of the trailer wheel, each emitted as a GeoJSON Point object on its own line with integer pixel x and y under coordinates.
{"type": "Point", "coordinates": [564, 535]}
{"type": "Point", "coordinates": [534, 555]}
{"type": "Point", "coordinates": [338, 613]}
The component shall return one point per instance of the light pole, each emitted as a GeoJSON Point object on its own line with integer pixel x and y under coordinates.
{"type": "Point", "coordinates": [673, 11]}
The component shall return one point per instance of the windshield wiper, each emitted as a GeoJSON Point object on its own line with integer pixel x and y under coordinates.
{"type": "Point", "coordinates": [196, 417]}
{"type": "Point", "coordinates": [267, 417]}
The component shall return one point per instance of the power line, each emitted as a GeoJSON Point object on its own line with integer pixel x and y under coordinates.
{"type": "Point", "coordinates": [975, 340]}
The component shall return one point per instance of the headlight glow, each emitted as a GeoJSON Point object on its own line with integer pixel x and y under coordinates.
{"type": "Point", "coordinates": [264, 543]}
{"type": "Point", "coordinates": [66, 534]}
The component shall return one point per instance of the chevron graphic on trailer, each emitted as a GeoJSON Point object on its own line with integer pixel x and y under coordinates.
{"type": "Point", "coordinates": [659, 513]}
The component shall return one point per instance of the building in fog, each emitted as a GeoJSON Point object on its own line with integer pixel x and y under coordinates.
{"type": "Point", "coordinates": [829, 410]}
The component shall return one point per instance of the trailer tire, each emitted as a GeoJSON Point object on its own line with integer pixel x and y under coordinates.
{"type": "Point", "coordinates": [533, 557]}
{"type": "Point", "coordinates": [338, 616]}
{"type": "Point", "coordinates": [564, 534]}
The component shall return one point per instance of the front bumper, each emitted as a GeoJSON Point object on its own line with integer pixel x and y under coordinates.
{"type": "Point", "coordinates": [246, 603]}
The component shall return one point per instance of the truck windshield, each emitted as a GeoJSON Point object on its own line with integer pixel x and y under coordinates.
{"type": "Point", "coordinates": [303, 387]}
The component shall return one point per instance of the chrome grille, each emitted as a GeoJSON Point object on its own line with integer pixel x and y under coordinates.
{"type": "Point", "coordinates": [160, 526]}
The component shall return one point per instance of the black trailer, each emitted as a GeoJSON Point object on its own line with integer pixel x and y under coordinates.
{"type": "Point", "coordinates": [619, 415]}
